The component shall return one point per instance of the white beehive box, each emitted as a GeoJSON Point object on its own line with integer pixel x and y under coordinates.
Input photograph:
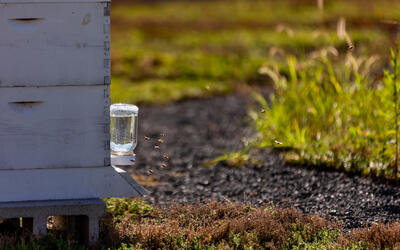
{"type": "Point", "coordinates": [54, 102]}
{"type": "Point", "coordinates": [47, 43]}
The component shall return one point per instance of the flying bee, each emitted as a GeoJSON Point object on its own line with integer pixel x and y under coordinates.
{"type": "Point", "coordinates": [166, 157]}
{"type": "Point", "coordinates": [160, 140]}
{"type": "Point", "coordinates": [163, 165]}
{"type": "Point", "coordinates": [147, 138]}
{"type": "Point", "coordinates": [163, 134]}
{"type": "Point", "coordinates": [156, 147]}
{"type": "Point", "coordinates": [278, 142]}
{"type": "Point", "coordinates": [262, 110]}
{"type": "Point", "coordinates": [150, 171]}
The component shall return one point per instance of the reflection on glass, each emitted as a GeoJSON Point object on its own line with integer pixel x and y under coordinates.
{"type": "Point", "coordinates": [123, 128]}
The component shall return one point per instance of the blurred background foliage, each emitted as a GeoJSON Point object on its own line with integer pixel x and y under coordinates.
{"type": "Point", "coordinates": [165, 51]}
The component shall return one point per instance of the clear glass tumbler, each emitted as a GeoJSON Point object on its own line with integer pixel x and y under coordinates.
{"type": "Point", "coordinates": [123, 128]}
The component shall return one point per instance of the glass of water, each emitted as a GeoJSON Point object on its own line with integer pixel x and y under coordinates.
{"type": "Point", "coordinates": [123, 128]}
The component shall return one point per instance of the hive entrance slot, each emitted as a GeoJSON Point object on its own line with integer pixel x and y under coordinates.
{"type": "Point", "coordinates": [24, 107]}
{"type": "Point", "coordinates": [27, 103]}
{"type": "Point", "coordinates": [25, 24]}
{"type": "Point", "coordinates": [26, 19]}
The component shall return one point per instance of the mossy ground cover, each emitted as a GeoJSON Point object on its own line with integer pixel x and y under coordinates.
{"type": "Point", "coordinates": [133, 224]}
{"type": "Point", "coordinates": [169, 51]}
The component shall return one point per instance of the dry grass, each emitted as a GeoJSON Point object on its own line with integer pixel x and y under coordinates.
{"type": "Point", "coordinates": [216, 224]}
{"type": "Point", "coordinates": [132, 224]}
{"type": "Point", "coordinates": [231, 225]}
{"type": "Point", "coordinates": [378, 236]}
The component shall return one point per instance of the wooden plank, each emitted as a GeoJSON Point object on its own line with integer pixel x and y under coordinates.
{"type": "Point", "coordinates": [54, 127]}
{"type": "Point", "coordinates": [62, 184]}
{"type": "Point", "coordinates": [46, 44]}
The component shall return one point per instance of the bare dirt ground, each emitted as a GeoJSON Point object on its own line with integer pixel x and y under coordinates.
{"type": "Point", "coordinates": [176, 140]}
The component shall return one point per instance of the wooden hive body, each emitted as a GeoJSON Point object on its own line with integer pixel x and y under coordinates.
{"type": "Point", "coordinates": [54, 102]}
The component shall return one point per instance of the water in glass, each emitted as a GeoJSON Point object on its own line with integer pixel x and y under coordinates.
{"type": "Point", "coordinates": [123, 128]}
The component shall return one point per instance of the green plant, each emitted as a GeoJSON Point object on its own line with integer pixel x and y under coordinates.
{"type": "Point", "coordinates": [132, 208]}
{"type": "Point", "coordinates": [334, 112]}
{"type": "Point", "coordinates": [393, 78]}
{"type": "Point", "coordinates": [48, 241]}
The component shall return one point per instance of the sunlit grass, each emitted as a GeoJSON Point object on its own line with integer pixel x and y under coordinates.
{"type": "Point", "coordinates": [270, 11]}
{"type": "Point", "coordinates": [159, 56]}
{"type": "Point", "coordinates": [182, 67]}
{"type": "Point", "coordinates": [164, 91]}
{"type": "Point", "coordinates": [332, 112]}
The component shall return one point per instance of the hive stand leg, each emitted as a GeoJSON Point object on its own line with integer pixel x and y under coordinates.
{"type": "Point", "coordinates": [87, 229]}
{"type": "Point", "coordinates": [93, 229]}
{"type": "Point", "coordinates": [39, 225]}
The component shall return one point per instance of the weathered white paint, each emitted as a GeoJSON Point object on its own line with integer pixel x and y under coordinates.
{"type": "Point", "coordinates": [123, 160]}
{"type": "Point", "coordinates": [54, 102]}
{"type": "Point", "coordinates": [61, 43]}
{"type": "Point", "coordinates": [59, 184]}
{"type": "Point", "coordinates": [54, 127]}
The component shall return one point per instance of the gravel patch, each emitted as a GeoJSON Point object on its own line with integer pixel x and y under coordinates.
{"type": "Point", "coordinates": [195, 131]}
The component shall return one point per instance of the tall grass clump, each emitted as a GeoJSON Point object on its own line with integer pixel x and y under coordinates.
{"type": "Point", "coordinates": [334, 111]}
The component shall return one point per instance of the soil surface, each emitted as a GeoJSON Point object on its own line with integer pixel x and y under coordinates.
{"type": "Point", "coordinates": [180, 137]}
